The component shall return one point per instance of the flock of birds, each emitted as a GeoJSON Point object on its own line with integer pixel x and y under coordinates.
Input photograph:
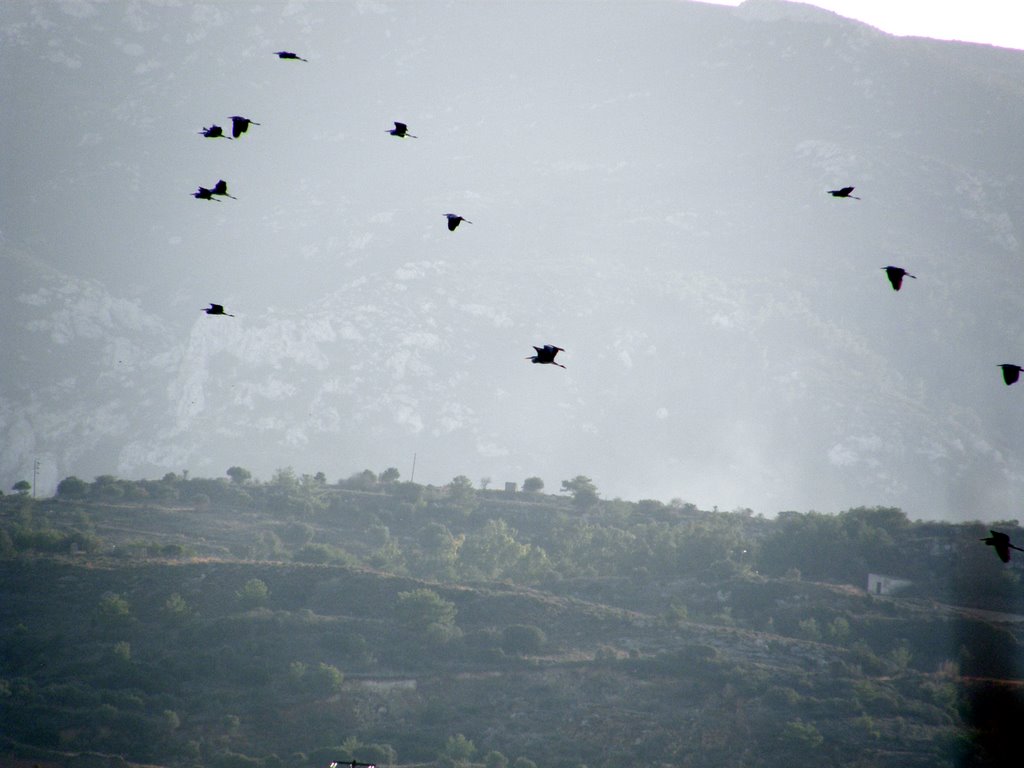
{"type": "Point", "coordinates": [545, 355]}
{"type": "Point", "coordinates": [240, 125]}
{"type": "Point", "coordinates": [1011, 372]}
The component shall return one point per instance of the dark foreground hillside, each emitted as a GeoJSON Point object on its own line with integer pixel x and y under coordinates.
{"type": "Point", "coordinates": [248, 625]}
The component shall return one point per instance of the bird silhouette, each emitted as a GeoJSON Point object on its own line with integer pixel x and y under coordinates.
{"type": "Point", "coordinates": [221, 188]}
{"type": "Point", "coordinates": [213, 132]}
{"type": "Point", "coordinates": [401, 130]}
{"type": "Point", "coordinates": [288, 55]}
{"type": "Point", "coordinates": [1001, 542]}
{"type": "Point", "coordinates": [844, 192]}
{"type": "Point", "coordinates": [1011, 373]}
{"type": "Point", "coordinates": [546, 355]}
{"type": "Point", "coordinates": [215, 309]}
{"type": "Point", "coordinates": [240, 125]}
{"type": "Point", "coordinates": [204, 194]}
{"type": "Point", "coordinates": [896, 275]}
{"type": "Point", "coordinates": [454, 220]}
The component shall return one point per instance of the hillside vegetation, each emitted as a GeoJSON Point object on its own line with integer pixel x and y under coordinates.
{"type": "Point", "coordinates": [244, 624]}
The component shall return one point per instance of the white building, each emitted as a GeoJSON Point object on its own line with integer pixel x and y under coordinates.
{"type": "Point", "coordinates": [885, 585]}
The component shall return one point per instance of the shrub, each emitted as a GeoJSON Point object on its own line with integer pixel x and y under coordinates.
{"type": "Point", "coordinates": [253, 594]}
{"type": "Point", "coordinates": [523, 639]}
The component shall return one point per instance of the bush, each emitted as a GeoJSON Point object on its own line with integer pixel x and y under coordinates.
{"type": "Point", "coordinates": [803, 735]}
{"type": "Point", "coordinates": [422, 607]}
{"type": "Point", "coordinates": [113, 606]}
{"type": "Point", "coordinates": [326, 679]}
{"type": "Point", "coordinates": [72, 488]}
{"type": "Point", "coordinates": [533, 485]}
{"type": "Point", "coordinates": [523, 639]}
{"type": "Point", "coordinates": [253, 594]}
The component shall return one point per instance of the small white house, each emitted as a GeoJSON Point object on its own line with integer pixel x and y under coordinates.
{"type": "Point", "coordinates": [885, 585]}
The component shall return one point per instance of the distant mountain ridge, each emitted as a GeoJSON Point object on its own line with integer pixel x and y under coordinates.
{"type": "Point", "coordinates": [729, 337]}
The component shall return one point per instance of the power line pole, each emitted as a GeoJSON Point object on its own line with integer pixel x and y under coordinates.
{"type": "Point", "coordinates": [412, 475]}
{"type": "Point", "coordinates": [35, 474]}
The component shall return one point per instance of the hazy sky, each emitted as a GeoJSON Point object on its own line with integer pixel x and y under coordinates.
{"type": "Point", "coordinates": [996, 22]}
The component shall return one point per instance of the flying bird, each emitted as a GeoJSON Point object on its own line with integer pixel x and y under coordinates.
{"type": "Point", "coordinates": [896, 275]}
{"type": "Point", "coordinates": [221, 188]}
{"type": "Point", "coordinates": [289, 55]}
{"type": "Point", "coordinates": [844, 192]}
{"type": "Point", "coordinates": [401, 130]}
{"type": "Point", "coordinates": [213, 132]}
{"type": "Point", "coordinates": [454, 220]}
{"type": "Point", "coordinates": [204, 194]}
{"type": "Point", "coordinates": [1001, 542]}
{"type": "Point", "coordinates": [546, 355]}
{"type": "Point", "coordinates": [1011, 373]}
{"type": "Point", "coordinates": [240, 125]}
{"type": "Point", "coordinates": [215, 309]}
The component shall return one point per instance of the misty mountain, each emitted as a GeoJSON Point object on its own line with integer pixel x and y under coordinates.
{"type": "Point", "coordinates": [647, 186]}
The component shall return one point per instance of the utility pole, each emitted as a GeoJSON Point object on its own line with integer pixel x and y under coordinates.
{"type": "Point", "coordinates": [412, 475]}
{"type": "Point", "coordinates": [35, 474]}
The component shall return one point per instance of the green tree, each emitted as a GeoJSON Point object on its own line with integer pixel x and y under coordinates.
{"type": "Point", "coordinates": [495, 759]}
{"type": "Point", "coordinates": [123, 651]}
{"type": "Point", "coordinates": [176, 608]}
{"type": "Point", "coordinates": [253, 594]}
{"type": "Point", "coordinates": [107, 487]}
{"type": "Point", "coordinates": [839, 629]}
{"type": "Point", "coordinates": [457, 751]}
{"type": "Point", "coordinates": [298, 534]}
{"type": "Point", "coordinates": [439, 550]}
{"type": "Point", "coordinates": [239, 475]}
{"type": "Point", "coordinates": [378, 754]}
{"type": "Point", "coordinates": [420, 608]}
{"type": "Point", "coordinates": [493, 552]}
{"type": "Point", "coordinates": [408, 493]}
{"type": "Point", "coordinates": [461, 493]}
{"type": "Point", "coordinates": [22, 487]}
{"type": "Point", "coordinates": [390, 475]}
{"type": "Point", "coordinates": [522, 639]}
{"type": "Point", "coordinates": [533, 485]}
{"type": "Point", "coordinates": [325, 679]}
{"type": "Point", "coordinates": [809, 629]}
{"type": "Point", "coordinates": [804, 736]}
{"type": "Point", "coordinates": [900, 655]}
{"type": "Point", "coordinates": [583, 490]}
{"type": "Point", "coordinates": [388, 557]}
{"type": "Point", "coordinates": [170, 721]}
{"type": "Point", "coordinates": [114, 607]}
{"type": "Point", "coordinates": [72, 487]}
{"type": "Point", "coordinates": [297, 672]}
{"type": "Point", "coordinates": [362, 481]}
